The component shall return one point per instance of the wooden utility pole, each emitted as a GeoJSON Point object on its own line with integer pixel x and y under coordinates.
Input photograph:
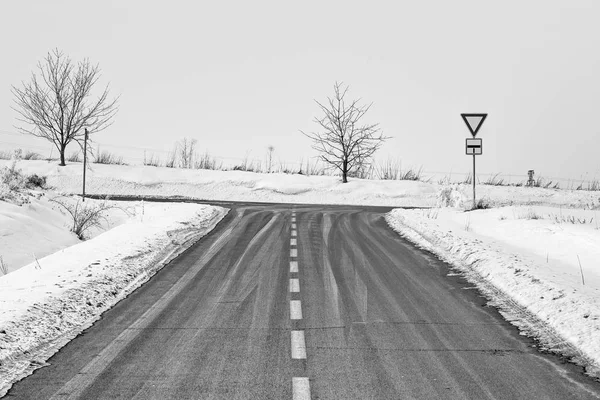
{"type": "Point", "coordinates": [84, 160]}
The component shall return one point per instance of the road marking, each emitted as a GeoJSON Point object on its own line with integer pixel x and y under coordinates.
{"type": "Point", "coordinates": [300, 389]}
{"type": "Point", "coordinates": [294, 285]}
{"type": "Point", "coordinates": [293, 226]}
{"type": "Point", "coordinates": [292, 242]}
{"type": "Point", "coordinates": [295, 309]}
{"type": "Point", "coordinates": [293, 233]}
{"type": "Point", "coordinates": [293, 266]}
{"type": "Point", "coordinates": [293, 219]}
{"type": "Point", "coordinates": [293, 252]}
{"type": "Point", "coordinates": [298, 345]}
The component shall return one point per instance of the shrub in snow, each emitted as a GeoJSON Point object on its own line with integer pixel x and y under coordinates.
{"type": "Point", "coordinates": [12, 182]}
{"type": "Point", "coordinates": [84, 215]}
{"type": "Point", "coordinates": [35, 180]}
{"type": "Point", "coordinates": [450, 196]}
{"type": "Point", "coordinates": [483, 204]}
{"type": "Point", "coordinates": [12, 177]}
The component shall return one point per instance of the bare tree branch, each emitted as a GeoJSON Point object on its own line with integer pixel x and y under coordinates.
{"type": "Point", "coordinates": [57, 104]}
{"type": "Point", "coordinates": [343, 141]}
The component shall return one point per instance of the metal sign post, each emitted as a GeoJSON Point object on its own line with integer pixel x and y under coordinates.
{"type": "Point", "coordinates": [474, 202]}
{"type": "Point", "coordinates": [474, 146]}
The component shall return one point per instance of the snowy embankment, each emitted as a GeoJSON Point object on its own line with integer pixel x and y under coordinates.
{"type": "Point", "coordinates": [228, 185]}
{"type": "Point", "coordinates": [45, 304]}
{"type": "Point", "coordinates": [538, 265]}
{"type": "Point", "coordinates": [279, 188]}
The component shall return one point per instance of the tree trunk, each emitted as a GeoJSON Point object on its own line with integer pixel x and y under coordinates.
{"type": "Point", "coordinates": [345, 172]}
{"type": "Point", "coordinates": [62, 155]}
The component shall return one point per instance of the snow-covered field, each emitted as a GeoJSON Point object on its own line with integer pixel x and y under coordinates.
{"type": "Point", "coordinates": [279, 188]}
{"type": "Point", "coordinates": [524, 253]}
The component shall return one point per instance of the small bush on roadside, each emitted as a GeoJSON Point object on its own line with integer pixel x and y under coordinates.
{"type": "Point", "coordinates": [594, 185]}
{"type": "Point", "coordinates": [12, 182]}
{"type": "Point", "coordinates": [392, 170]}
{"type": "Point", "coordinates": [483, 204]}
{"type": "Point", "coordinates": [12, 177]}
{"type": "Point", "coordinates": [450, 196]}
{"type": "Point", "coordinates": [530, 214]}
{"type": "Point", "coordinates": [32, 155]}
{"type": "Point", "coordinates": [205, 161]}
{"type": "Point", "coordinates": [85, 215]}
{"type": "Point", "coordinates": [172, 158]}
{"type": "Point", "coordinates": [495, 181]}
{"type": "Point", "coordinates": [104, 157]}
{"type": "Point", "coordinates": [153, 160]}
{"type": "Point", "coordinates": [36, 181]}
{"type": "Point", "coordinates": [432, 213]}
{"type": "Point", "coordinates": [444, 181]}
{"type": "Point", "coordinates": [468, 179]}
{"type": "Point", "coordinates": [559, 219]}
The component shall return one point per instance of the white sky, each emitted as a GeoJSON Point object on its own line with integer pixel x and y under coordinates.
{"type": "Point", "coordinates": [240, 76]}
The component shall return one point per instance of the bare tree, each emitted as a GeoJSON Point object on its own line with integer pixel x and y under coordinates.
{"type": "Point", "coordinates": [57, 106]}
{"type": "Point", "coordinates": [186, 152]}
{"type": "Point", "coordinates": [345, 142]}
{"type": "Point", "coordinates": [270, 150]}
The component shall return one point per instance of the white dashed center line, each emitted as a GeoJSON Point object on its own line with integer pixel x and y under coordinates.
{"type": "Point", "coordinates": [294, 285]}
{"type": "Point", "coordinates": [300, 389]}
{"type": "Point", "coordinates": [295, 309]}
{"type": "Point", "coordinates": [298, 345]}
{"type": "Point", "coordinates": [300, 385]}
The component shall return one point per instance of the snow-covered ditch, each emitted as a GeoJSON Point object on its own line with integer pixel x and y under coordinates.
{"type": "Point", "coordinates": [538, 264]}
{"type": "Point", "coordinates": [46, 303]}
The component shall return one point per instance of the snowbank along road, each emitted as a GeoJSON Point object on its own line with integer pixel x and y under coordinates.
{"type": "Point", "coordinates": [304, 302]}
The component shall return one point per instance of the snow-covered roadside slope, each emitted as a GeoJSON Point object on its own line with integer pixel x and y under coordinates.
{"type": "Point", "coordinates": [41, 309]}
{"type": "Point", "coordinates": [40, 227]}
{"type": "Point", "coordinates": [528, 268]}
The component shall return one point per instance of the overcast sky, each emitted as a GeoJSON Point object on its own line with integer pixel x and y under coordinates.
{"type": "Point", "coordinates": [240, 76]}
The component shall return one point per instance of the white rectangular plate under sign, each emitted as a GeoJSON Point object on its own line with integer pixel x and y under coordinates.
{"type": "Point", "coordinates": [474, 146]}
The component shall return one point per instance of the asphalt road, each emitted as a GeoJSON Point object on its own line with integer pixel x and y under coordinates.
{"type": "Point", "coordinates": [329, 304]}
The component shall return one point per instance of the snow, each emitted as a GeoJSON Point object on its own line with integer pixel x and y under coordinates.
{"type": "Point", "coordinates": [531, 262]}
{"type": "Point", "coordinates": [39, 228]}
{"type": "Point", "coordinates": [46, 303]}
{"type": "Point", "coordinates": [280, 188]}
{"type": "Point", "coordinates": [528, 268]}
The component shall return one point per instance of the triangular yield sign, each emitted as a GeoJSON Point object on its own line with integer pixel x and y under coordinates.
{"type": "Point", "coordinates": [474, 121]}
